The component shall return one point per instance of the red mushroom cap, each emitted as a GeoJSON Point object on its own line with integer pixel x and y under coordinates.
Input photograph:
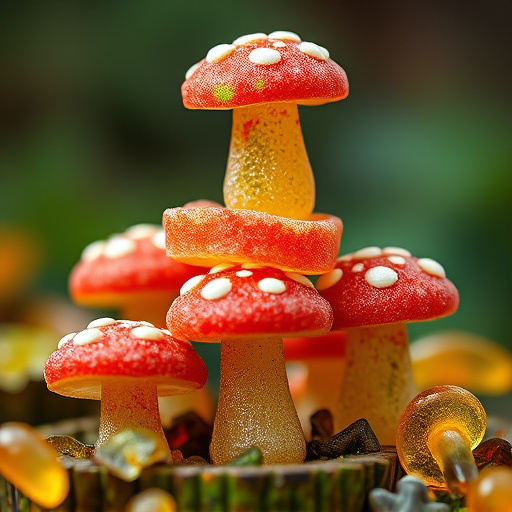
{"type": "Point", "coordinates": [113, 351]}
{"type": "Point", "coordinates": [133, 262]}
{"type": "Point", "coordinates": [326, 346]}
{"type": "Point", "coordinates": [243, 301]}
{"type": "Point", "coordinates": [376, 286]}
{"type": "Point", "coordinates": [261, 69]}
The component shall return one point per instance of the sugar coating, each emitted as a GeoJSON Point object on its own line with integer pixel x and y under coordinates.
{"type": "Point", "coordinates": [381, 277]}
{"type": "Point", "coordinates": [247, 309]}
{"type": "Point", "coordinates": [264, 56]}
{"type": "Point", "coordinates": [147, 333]}
{"type": "Point", "coordinates": [191, 283]}
{"type": "Point", "coordinates": [87, 336]}
{"type": "Point", "coordinates": [432, 267]}
{"type": "Point", "coordinates": [219, 52]}
{"type": "Point", "coordinates": [216, 289]}
{"type": "Point", "coordinates": [329, 279]}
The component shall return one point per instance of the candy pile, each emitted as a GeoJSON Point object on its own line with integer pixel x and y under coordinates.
{"type": "Point", "coordinates": [236, 275]}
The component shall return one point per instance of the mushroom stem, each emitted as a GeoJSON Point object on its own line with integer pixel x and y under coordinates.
{"type": "Point", "coordinates": [378, 382]}
{"type": "Point", "coordinates": [129, 405]}
{"type": "Point", "coordinates": [452, 451]}
{"type": "Point", "coordinates": [268, 168]}
{"type": "Point", "coordinates": [255, 407]}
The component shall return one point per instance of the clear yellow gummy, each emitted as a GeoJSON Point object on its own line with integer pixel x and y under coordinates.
{"type": "Point", "coordinates": [268, 167]}
{"type": "Point", "coordinates": [31, 465]}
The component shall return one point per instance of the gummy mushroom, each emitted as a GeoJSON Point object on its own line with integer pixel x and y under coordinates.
{"type": "Point", "coordinates": [263, 78]}
{"type": "Point", "coordinates": [127, 365]}
{"type": "Point", "coordinates": [374, 293]}
{"type": "Point", "coordinates": [250, 309]}
{"type": "Point", "coordinates": [130, 272]}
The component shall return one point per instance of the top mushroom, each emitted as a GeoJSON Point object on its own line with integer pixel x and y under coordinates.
{"type": "Point", "coordinates": [263, 78]}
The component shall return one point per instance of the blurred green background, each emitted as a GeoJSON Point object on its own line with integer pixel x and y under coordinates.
{"type": "Point", "coordinates": [94, 137]}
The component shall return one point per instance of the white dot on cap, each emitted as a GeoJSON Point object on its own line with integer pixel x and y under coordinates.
{"type": "Point", "coordinates": [216, 289]}
{"type": "Point", "coordinates": [140, 231]}
{"type": "Point", "coordinates": [431, 267]}
{"type": "Point", "coordinates": [367, 252]}
{"type": "Point", "coordinates": [65, 339]}
{"type": "Point", "coordinates": [191, 70]}
{"type": "Point", "coordinates": [191, 283]}
{"type": "Point", "coordinates": [220, 267]}
{"type": "Point", "coordinates": [397, 260]}
{"type": "Point", "coordinates": [93, 251]}
{"type": "Point", "coordinates": [219, 52]}
{"type": "Point", "coordinates": [300, 279]}
{"type": "Point", "coordinates": [325, 50]}
{"type": "Point", "coordinates": [313, 50]}
{"type": "Point", "coordinates": [119, 246]}
{"type": "Point", "coordinates": [346, 257]}
{"type": "Point", "coordinates": [395, 251]}
{"type": "Point", "coordinates": [264, 56]}
{"type": "Point", "coordinates": [249, 38]}
{"type": "Point", "coordinates": [285, 35]}
{"type": "Point", "coordinates": [358, 267]}
{"type": "Point", "coordinates": [87, 336]}
{"type": "Point", "coordinates": [272, 285]}
{"type": "Point", "coordinates": [158, 239]}
{"type": "Point", "coordinates": [329, 279]}
{"type": "Point", "coordinates": [244, 273]}
{"type": "Point", "coordinates": [279, 44]}
{"type": "Point", "coordinates": [381, 277]}
{"type": "Point", "coordinates": [101, 322]}
{"type": "Point", "coordinates": [145, 332]}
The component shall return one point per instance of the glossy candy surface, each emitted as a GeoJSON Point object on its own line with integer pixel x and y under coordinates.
{"type": "Point", "coordinates": [30, 464]}
{"type": "Point", "coordinates": [208, 236]}
{"type": "Point", "coordinates": [431, 427]}
{"type": "Point", "coordinates": [152, 500]}
{"type": "Point", "coordinates": [491, 491]}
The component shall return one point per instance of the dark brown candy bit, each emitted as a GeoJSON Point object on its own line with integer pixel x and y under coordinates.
{"type": "Point", "coordinates": [357, 438]}
{"type": "Point", "coordinates": [69, 446]}
{"type": "Point", "coordinates": [322, 425]}
{"type": "Point", "coordinates": [493, 452]}
{"type": "Point", "coordinates": [190, 434]}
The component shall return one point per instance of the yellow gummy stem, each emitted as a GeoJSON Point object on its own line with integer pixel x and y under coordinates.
{"type": "Point", "coordinates": [268, 167]}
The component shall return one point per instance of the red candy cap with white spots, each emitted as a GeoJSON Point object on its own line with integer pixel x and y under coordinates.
{"type": "Point", "coordinates": [132, 262]}
{"type": "Point", "coordinates": [123, 350]}
{"type": "Point", "coordinates": [376, 286]}
{"type": "Point", "coordinates": [260, 68]}
{"type": "Point", "coordinates": [237, 301]}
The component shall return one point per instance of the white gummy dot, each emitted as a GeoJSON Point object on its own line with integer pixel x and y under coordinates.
{"type": "Point", "coordinates": [329, 279]}
{"type": "Point", "coordinates": [285, 35]}
{"type": "Point", "coordinates": [251, 265]}
{"type": "Point", "coordinates": [244, 273]}
{"type": "Point", "coordinates": [397, 260]}
{"type": "Point", "coordinates": [381, 277]}
{"type": "Point", "coordinates": [191, 283]}
{"type": "Point", "coordinates": [191, 70]}
{"type": "Point", "coordinates": [216, 289]}
{"type": "Point", "coordinates": [158, 239]}
{"type": "Point", "coordinates": [358, 267]}
{"type": "Point", "coordinates": [432, 267]}
{"type": "Point", "coordinates": [101, 322]}
{"type": "Point", "coordinates": [220, 52]}
{"type": "Point", "coordinates": [264, 56]}
{"type": "Point", "coordinates": [119, 246]}
{"type": "Point", "coordinates": [313, 50]}
{"type": "Point", "coordinates": [367, 252]}
{"type": "Point", "coordinates": [325, 50]}
{"type": "Point", "coordinates": [346, 257]}
{"type": "Point", "coordinates": [395, 251]}
{"type": "Point", "coordinates": [279, 44]}
{"type": "Point", "coordinates": [220, 267]}
{"type": "Point", "coordinates": [145, 332]}
{"type": "Point", "coordinates": [65, 339]}
{"type": "Point", "coordinates": [300, 279]}
{"type": "Point", "coordinates": [93, 250]}
{"type": "Point", "coordinates": [272, 285]}
{"type": "Point", "coordinates": [87, 336]}
{"type": "Point", "coordinates": [141, 231]}
{"type": "Point", "coordinates": [249, 38]}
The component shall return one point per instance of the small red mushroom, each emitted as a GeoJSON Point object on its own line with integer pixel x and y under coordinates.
{"type": "Point", "coordinates": [127, 365]}
{"type": "Point", "coordinates": [374, 292]}
{"type": "Point", "coordinates": [130, 272]}
{"type": "Point", "coordinates": [263, 78]}
{"type": "Point", "coordinates": [251, 308]}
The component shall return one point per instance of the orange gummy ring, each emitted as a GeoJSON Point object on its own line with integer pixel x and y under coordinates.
{"type": "Point", "coordinates": [207, 236]}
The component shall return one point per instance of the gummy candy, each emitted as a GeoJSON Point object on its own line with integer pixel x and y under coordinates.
{"type": "Point", "coordinates": [211, 235]}
{"type": "Point", "coordinates": [412, 496]}
{"type": "Point", "coordinates": [493, 452]}
{"type": "Point", "coordinates": [152, 500]}
{"type": "Point", "coordinates": [491, 491]}
{"type": "Point", "coordinates": [251, 457]}
{"type": "Point", "coordinates": [30, 464]}
{"type": "Point", "coordinates": [69, 446]}
{"type": "Point", "coordinates": [436, 434]}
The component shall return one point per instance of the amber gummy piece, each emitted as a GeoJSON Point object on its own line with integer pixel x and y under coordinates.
{"type": "Point", "coordinates": [491, 491]}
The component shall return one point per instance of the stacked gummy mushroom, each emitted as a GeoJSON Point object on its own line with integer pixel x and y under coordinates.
{"type": "Point", "coordinates": [263, 242]}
